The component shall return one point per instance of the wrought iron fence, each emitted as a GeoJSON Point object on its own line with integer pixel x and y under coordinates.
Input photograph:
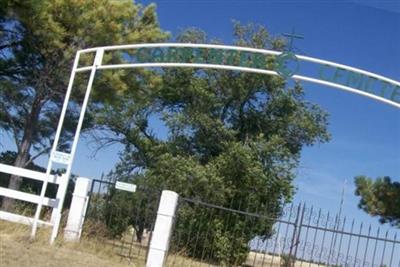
{"type": "Point", "coordinates": [121, 220]}
{"type": "Point", "coordinates": [212, 235]}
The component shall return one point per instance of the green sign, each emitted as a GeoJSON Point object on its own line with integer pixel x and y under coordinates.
{"type": "Point", "coordinates": [203, 56]}
{"type": "Point", "coordinates": [285, 64]}
{"type": "Point", "coordinates": [360, 81]}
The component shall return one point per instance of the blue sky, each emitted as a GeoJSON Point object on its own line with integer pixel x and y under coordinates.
{"type": "Point", "coordinates": [363, 34]}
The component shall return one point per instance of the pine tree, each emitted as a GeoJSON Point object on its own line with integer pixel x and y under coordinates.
{"type": "Point", "coordinates": [38, 41]}
{"type": "Point", "coordinates": [380, 197]}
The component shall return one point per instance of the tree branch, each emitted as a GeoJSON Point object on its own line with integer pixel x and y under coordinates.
{"type": "Point", "coordinates": [8, 45]}
{"type": "Point", "coordinates": [42, 152]}
{"type": "Point", "coordinates": [13, 129]}
{"type": "Point", "coordinates": [102, 142]}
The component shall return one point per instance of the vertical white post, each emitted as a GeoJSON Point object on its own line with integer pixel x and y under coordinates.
{"type": "Point", "coordinates": [56, 213]}
{"type": "Point", "coordinates": [97, 62]}
{"type": "Point", "coordinates": [160, 238]}
{"type": "Point", "coordinates": [61, 187]}
{"type": "Point", "coordinates": [55, 144]}
{"type": "Point", "coordinates": [77, 211]}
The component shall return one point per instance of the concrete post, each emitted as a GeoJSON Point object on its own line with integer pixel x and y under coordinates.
{"type": "Point", "coordinates": [77, 211]}
{"type": "Point", "coordinates": [162, 230]}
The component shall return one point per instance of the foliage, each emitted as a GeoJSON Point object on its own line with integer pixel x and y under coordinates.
{"type": "Point", "coordinates": [233, 139]}
{"type": "Point", "coordinates": [127, 209]}
{"type": "Point", "coordinates": [116, 210]}
{"type": "Point", "coordinates": [38, 42]}
{"type": "Point", "coordinates": [214, 235]}
{"type": "Point", "coordinates": [380, 197]}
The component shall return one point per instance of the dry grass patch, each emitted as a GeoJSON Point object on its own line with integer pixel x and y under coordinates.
{"type": "Point", "coordinates": [16, 249]}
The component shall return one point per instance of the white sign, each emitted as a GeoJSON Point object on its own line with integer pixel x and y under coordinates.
{"type": "Point", "coordinates": [61, 157]}
{"type": "Point", "coordinates": [125, 186]}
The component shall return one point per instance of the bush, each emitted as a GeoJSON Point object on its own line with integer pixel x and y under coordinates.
{"type": "Point", "coordinates": [220, 237]}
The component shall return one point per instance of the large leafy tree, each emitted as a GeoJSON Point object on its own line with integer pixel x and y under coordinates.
{"type": "Point", "coordinates": [380, 197]}
{"type": "Point", "coordinates": [38, 41]}
{"type": "Point", "coordinates": [233, 139]}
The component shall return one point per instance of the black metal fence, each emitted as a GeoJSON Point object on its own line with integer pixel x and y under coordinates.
{"type": "Point", "coordinates": [121, 220]}
{"type": "Point", "coordinates": [211, 235]}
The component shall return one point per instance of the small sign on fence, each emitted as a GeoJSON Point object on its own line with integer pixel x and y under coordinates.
{"type": "Point", "coordinates": [125, 186]}
{"type": "Point", "coordinates": [61, 157]}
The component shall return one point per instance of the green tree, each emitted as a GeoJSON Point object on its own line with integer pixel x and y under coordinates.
{"type": "Point", "coordinates": [125, 209]}
{"type": "Point", "coordinates": [234, 139]}
{"type": "Point", "coordinates": [38, 41]}
{"type": "Point", "coordinates": [380, 197]}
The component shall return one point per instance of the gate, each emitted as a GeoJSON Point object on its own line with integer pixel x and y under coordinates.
{"type": "Point", "coordinates": [120, 219]}
{"type": "Point", "coordinates": [212, 235]}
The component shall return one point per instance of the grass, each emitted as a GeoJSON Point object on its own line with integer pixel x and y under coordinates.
{"type": "Point", "coordinates": [16, 249]}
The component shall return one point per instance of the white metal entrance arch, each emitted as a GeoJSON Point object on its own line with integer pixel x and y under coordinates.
{"type": "Point", "coordinates": [223, 57]}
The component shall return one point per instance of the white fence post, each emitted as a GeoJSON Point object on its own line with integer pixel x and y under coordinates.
{"type": "Point", "coordinates": [162, 230]}
{"type": "Point", "coordinates": [56, 214]}
{"type": "Point", "coordinates": [77, 211]}
{"type": "Point", "coordinates": [62, 190]}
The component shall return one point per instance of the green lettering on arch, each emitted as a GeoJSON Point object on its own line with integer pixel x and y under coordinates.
{"type": "Point", "coordinates": [200, 55]}
{"type": "Point", "coordinates": [395, 96]}
{"type": "Point", "coordinates": [244, 60]}
{"type": "Point", "coordinates": [158, 54]}
{"type": "Point", "coordinates": [230, 57]}
{"type": "Point", "coordinates": [321, 72]}
{"type": "Point", "coordinates": [384, 87]}
{"type": "Point", "coordinates": [172, 55]}
{"type": "Point", "coordinates": [143, 55]}
{"type": "Point", "coordinates": [367, 84]}
{"type": "Point", "coordinates": [215, 56]}
{"type": "Point", "coordinates": [186, 54]}
{"type": "Point", "coordinates": [259, 61]}
{"type": "Point", "coordinates": [338, 74]}
{"type": "Point", "coordinates": [354, 79]}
